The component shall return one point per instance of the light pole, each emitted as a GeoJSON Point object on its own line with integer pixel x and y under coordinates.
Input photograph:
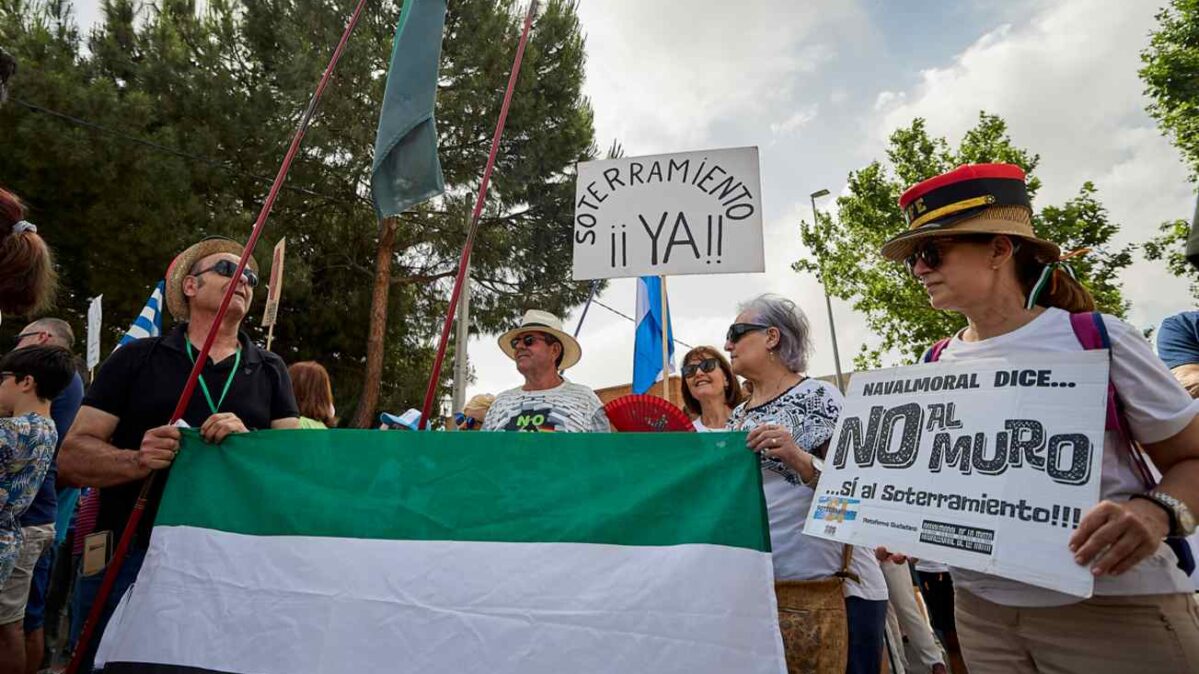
{"type": "Point", "coordinates": [828, 303]}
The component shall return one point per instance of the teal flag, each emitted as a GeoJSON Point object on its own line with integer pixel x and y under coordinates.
{"type": "Point", "coordinates": [406, 170]}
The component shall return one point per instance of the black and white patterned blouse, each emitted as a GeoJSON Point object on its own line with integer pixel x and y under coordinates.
{"type": "Point", "coordinates": [809, 409]}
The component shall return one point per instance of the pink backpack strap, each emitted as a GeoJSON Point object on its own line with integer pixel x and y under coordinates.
{"type": "Point", "coordinates": [1091, 332]}
{"type": "Point", "coordinates": [934, 352]}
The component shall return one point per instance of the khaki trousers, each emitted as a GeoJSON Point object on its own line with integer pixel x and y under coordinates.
{"type": "Point", "coordinates": [1103, 635]}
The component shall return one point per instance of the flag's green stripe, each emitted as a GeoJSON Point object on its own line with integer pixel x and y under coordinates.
{"type": "Point", "coordinates": [620, 488]}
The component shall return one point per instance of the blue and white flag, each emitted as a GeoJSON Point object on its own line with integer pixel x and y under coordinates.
{"type": "Point", "coordinates": [647, 350]}
{"type": "Point", "coordinates": [149, 322]}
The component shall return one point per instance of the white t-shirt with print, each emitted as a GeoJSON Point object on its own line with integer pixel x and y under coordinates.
{"type": "Point", "coordinates": [568, 407]}
{"type": "Point", "coordinates": [1156, 407]}
{"type": "Point", "coordinates": [810, 409]}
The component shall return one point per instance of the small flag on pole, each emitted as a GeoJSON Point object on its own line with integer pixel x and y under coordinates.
{"type": "Point", "coordinates": [94, 317]}
{"type": "Point", "coordinates": [406, 169]}
{"type": "Point", "coordinates": [647, 349]}
{"type": "Point", "coordinates": [149, 322]}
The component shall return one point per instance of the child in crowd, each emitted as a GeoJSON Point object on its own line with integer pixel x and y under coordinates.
{"type": "Point", "coordinates": [30, 378]}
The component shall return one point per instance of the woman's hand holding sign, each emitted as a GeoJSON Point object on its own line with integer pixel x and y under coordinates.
{"type": "Point", "coordinates": [775, 442]}
{"type": "Point", "coordinates": [1115, 537]}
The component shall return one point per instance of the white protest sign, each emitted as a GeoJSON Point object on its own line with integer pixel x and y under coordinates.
{"type": "Point", "coordinates": [94, 315]}
{"type": "Point", "coordinates": [662, 215]}
{"type": "Point", "coordinates": [987, 465]}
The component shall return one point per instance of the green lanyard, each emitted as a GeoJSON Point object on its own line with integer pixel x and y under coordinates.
{"type": "Point", "coordinates": [228, 382]}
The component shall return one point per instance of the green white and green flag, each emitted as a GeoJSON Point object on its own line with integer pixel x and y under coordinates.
{"type": "Point", "coordinates": [292, 552]}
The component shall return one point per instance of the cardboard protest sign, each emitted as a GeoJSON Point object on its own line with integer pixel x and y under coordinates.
{"type": "Point", "coordinates": [275, 289]}
{"type": "Point", "coordinates": [661, 215]}
{"type": "Point", "coordinates": [987, 465]}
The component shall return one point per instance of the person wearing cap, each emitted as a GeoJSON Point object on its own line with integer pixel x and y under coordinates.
{"type": "Point", "coordinates": [408, 421]}
{"type": "Point", "coordinates": [972, 246]}
{"type": "Point", "coordinates": [546, 401]}
{"type": "Point", "coordinates": [121, 433]}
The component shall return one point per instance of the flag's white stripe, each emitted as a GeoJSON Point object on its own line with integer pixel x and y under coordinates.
{"type": "Point", "coordinates": [291, 605]}
{"type": "Point", "coordinates": [643, 308]}
{"type": "Point", "coordinates": [149, 312]}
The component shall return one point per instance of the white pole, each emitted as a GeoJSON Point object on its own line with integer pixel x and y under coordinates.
{"type": "Point", "coordinates": [828, 303]}
{"type": "Point", "coordinates": [462, 336]}
{"type": "Point", "coordinates": [665, 343]}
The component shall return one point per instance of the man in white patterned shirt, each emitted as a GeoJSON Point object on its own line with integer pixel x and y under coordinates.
{"type": "Point", "coordinates": [546, 401]}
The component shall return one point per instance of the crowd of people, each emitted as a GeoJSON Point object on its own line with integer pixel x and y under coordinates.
{"type": "Point", "coordinates": [971, 244]}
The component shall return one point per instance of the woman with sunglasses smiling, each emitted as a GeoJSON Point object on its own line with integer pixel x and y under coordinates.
{"type": "Point", "coordinates": [825, 590]}
{"type": "Point", "coordinates": [710, 389]}
{"type": "Point", "coordinates": [971, 245]}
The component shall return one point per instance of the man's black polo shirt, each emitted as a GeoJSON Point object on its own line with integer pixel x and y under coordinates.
{"type": "Point", "coordinates": [141, 382]}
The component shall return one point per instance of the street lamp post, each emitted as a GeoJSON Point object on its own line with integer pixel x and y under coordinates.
{"type": "Point", "coordinates": [828, 303]}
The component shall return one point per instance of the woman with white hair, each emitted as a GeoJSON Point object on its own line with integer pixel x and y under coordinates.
{"type": "Point", "coordinates": [825, 589]}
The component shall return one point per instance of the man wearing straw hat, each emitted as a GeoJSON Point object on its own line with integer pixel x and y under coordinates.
{"type": "Point", "coordinates": [121, 434]}
{"type": "Point", "coordinates": [546, 401]}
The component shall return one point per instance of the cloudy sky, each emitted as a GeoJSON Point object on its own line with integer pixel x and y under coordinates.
{"type": "Point", "coordinates": [819, 85]}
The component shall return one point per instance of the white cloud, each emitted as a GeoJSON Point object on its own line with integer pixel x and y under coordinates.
{"type": "Point", "coordinates": [661, 74]}
{"type": "Point", "coordinates": [795, 122]}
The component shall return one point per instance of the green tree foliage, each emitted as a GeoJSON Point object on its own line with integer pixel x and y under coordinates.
{"type": "Point", "coordinates": [1170, 245]}
{"type": "Point", "coordinates": [844, 250]}
{"type": "Point", "coordinates": [1171, 76]}
{"type": "Point", "coordinates": [218, 94]}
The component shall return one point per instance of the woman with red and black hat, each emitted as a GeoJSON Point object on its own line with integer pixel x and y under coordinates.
{"type": "Point", "coordinates": [971, 244]}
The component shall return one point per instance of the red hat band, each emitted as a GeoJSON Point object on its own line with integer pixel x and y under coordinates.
{"type": "Point", "coordinates": [963, 191]}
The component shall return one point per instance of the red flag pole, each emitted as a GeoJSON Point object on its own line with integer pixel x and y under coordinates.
{"type": "Point", "coordinates": [122, 549]}
{"type": "Point", "coordinates": [435, 377]}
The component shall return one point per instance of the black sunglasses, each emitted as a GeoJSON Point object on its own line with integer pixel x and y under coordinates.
{"type": "Point", "coordinates": [226, 268]}
{"type": "Point", "coordinates": [932, 255]}
{"type": "Point", "coordinates": [528, 340]}
{"type": "Point", "coordinates": [739, 330]}
{"type": "Point", "coordinates": [706, 365]}
{"type": "Point", "coordinates": [23, 335]}
{"type": "Point", "coordinates": [460, 417]}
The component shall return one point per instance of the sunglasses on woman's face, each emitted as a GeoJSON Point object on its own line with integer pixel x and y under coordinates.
{"type": "Point", "coordinates": [739, 330]}
{"type": "Point", "coordinates": [933, 253]}
{"type": "Point", "coordinates": [705, 365]}
{"type": "Point", "coordinates": [528, 340]}
{"type": "Point", "coordinates": [460, 417]}
{"type": "Point", "coordinates": [929, 253]}
{"type": "Point", "coordinates": [227, 268]}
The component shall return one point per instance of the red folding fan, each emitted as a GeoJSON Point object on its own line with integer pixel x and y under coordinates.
{"type": "Point", "coordinates": [646, 414]}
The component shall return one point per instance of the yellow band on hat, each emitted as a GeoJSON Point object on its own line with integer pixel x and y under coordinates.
{"type": "Point", "coordinates": [957, 207]}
